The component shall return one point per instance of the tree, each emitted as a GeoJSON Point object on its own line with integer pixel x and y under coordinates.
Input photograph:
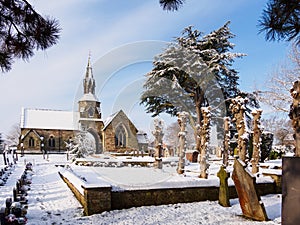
{"type": "Point", "coordinates": [171, 135]}
{"type": "Point", "coordinates": [280, 19]}
{"type": "Point", "coordinates": [82, 146]}
{"type": "Point", "coordinates": [14, 135]}
{"type": "Point", "coordinates": [171, 5]}
{"type": "Point", "coordinates": [280, 127]}
{"type": "Point", "coordinates": [277, 93]}
{"type": "Point", "coordinates": [22, 30]}
{"type": "Point", "coordinates": [194, 71]}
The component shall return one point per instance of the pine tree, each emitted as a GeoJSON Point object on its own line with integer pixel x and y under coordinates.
{"type": "Point", "coordinates": [194, 71]}
{"type": "Point", "coordinates": [280, 19]}
{"type": "Point", "coordinates": [22, 30]}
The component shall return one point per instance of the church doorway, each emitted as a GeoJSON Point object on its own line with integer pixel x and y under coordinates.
{"type": "Point", "coordinates": [93, 135]}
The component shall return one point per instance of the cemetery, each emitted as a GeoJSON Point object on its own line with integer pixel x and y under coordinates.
{"type": "Point", "coordinates": [107, 182]}
{"type": "Point", "coordinates": [184, 133]}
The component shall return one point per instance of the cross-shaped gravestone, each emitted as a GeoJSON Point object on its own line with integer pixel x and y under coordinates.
{"type": "Point", "coordinates": [223, 190]}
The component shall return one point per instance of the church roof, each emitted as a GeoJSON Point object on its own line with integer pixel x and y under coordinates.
{"type": "Point", "coordinates": [49, 119]}
{"type": "Point", "coordinates": [109, 119]}
{"type": "Point", "coordinates": [113, 116]}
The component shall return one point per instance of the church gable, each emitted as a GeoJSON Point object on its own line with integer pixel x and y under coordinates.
{"type": "Point", "coordinates": [120, 133]}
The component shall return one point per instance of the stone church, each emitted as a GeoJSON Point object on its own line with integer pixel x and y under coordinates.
{"type": "Point", "coordinates": [50, 130]}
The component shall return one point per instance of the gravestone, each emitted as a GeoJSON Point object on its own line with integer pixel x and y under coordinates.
{"type": "Point", "coordinates": [223, 190]}
{"type": "Point", "coordinates": [290, 191]}
{"type": "Point", "coordinates": [250, 202]}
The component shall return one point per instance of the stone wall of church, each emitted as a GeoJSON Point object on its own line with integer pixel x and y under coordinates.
{"type": "Point", "coordinates": [109, 135]}
{"type": "Point", "coordinates": [88, 109]}
{"type": "Point", "coordinates": [59, 137]}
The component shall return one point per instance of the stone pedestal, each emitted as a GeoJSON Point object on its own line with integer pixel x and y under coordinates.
{"type": "Point", "coordinates": [290, 190]}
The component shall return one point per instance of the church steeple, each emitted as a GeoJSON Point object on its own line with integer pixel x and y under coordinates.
{"type": "Point", "coordinates": [89, 81]}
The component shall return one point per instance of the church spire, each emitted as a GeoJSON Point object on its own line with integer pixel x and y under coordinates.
{"type": "Point", "coordinates": [89, 81]}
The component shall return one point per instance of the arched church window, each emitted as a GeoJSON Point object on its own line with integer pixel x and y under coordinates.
{"type": "Point", "coordinates": [91, 112]}
{"type": "Point", "coordinates": [120, 136]}
{"type": "Point", "coordinates": [31, 142]}
{"type": "Point", "coordinates": [51, 141]}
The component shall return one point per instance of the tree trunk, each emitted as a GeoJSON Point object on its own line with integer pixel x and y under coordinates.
{"type": "Point", "coordinates": [204, 139]}
{"type": "Point", "coordinates": [237, 108]}
{"type": "Point", "coordinates": [226, 141]}
{"type": "Point", "coordinates": [256, 140]}
{"type": "Point", "coordinates": [295, 115]}
{"type": "Point", "coordinates": [198, 99]}
{"type": "Point", "coordinates": [182, 121]}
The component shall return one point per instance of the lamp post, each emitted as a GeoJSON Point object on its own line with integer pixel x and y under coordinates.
{"type": "Point", "coordinates": [42, 146]}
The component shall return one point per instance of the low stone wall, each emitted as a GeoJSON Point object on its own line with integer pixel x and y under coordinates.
{"type": "Point", "coordinates": [97, 199]}
{"type": "Point", "coordinates": [136, 198]}
{"type": "Point", "coordinates": [75, 191]}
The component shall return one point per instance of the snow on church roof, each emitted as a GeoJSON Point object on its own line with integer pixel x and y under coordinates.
{"type": "Point", "coordinates": [49, 119]}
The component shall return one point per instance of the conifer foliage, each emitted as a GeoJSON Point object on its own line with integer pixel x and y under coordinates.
{"type": "Point", "coordinates": [279, 20]}
{"type": "Point", "coordinates": [193, 71]}
{"type": "Point", "coordinates": [23, 30]}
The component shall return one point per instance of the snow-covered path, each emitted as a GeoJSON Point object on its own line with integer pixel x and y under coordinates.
{"type": "Point", "coordinates": [51, 203]}
{"type": "Point", "coordinates": [50, 200]}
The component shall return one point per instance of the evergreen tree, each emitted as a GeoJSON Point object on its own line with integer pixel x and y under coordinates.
{"type": "Point", "coordinates": [193, 72]}
{"type": "Point", "coordinates": [171, 5]}
{"type": "Point", "coordinates": [280, 19]}
{"type": "Point", "coordinates": [22, 30]}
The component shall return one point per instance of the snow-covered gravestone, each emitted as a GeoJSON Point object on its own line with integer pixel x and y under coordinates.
{"type": "Point", "coordinates": [158, 135]}
{"type": "Point", "coordinates": [204, 139]}
{"type": "Point", "coordinates": [256, 139]}
{"type": "Point", "coordinates": [238, 108]}
{"type": "Point", "coordinates": [182, 121]}
{"type": "Point", "coordinates": [291, 167]}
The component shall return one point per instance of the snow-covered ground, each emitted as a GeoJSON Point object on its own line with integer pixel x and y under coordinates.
{"type": "Point", "coordinates": [52, 202]}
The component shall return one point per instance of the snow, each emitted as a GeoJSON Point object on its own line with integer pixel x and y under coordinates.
{"type": "Point", "coordinates": [49, 119]}
{"type": "Point", "coordinates": [88, 97]}
{"type": "Point", "coordinates": [50, 201]}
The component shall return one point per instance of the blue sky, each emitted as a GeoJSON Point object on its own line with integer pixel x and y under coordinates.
{"type": "Point", "coordinates": [52, 79]}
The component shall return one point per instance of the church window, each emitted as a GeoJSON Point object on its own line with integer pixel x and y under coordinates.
{"type": "Point", "coordinates": [120, 137]}
{"type": "Point", "coordinates": [91, 112]}
{"type": "Point", "coordinates": [51, 141]}
{"type": "Point", "coordinates": [31, 142]}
